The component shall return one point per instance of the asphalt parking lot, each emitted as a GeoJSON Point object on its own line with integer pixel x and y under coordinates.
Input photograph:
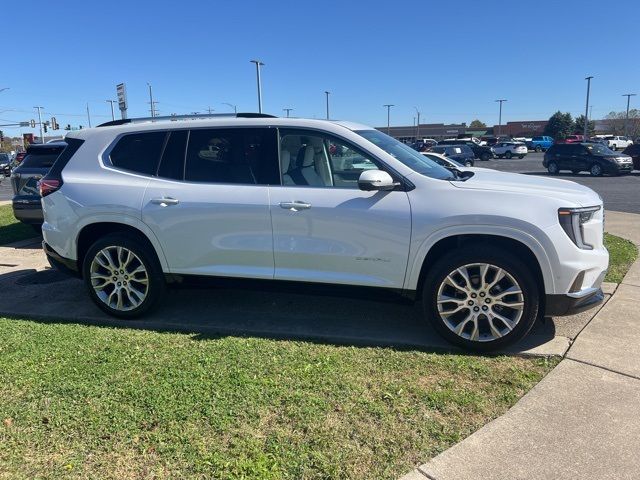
{"type": "Point", "coordinates": [621, 194]}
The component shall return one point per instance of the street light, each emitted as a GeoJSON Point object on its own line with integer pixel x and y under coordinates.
{"type": "Point", "coordinates": [288, 110]}
{"type": "Point", "coordinates": [258, 65]}
{"type": "Point", "coordinates": [388, 105]}
{"type": "Point", "coordinates": [626, 119]}
{"type": "Point", "coordinates": [501, 100]}
{"type": "Point", "coordinates": [586, 109]}
{"type": "Point", "coordinates": [327, 95]}
{"type": "Point", "coordinates": [113, 117]}
{"type": "Point", "coordinates": [417, 124]}
{"type": "Point", "coordinates": [235, 108]}
{"type": "Point", "coordinates": [153, 111]}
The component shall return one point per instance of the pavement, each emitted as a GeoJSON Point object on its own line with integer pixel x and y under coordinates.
{"type": "Point", "coordinates": [582, 421]}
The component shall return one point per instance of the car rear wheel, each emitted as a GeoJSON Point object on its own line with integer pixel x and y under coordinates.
{"type": "Point", "coordinates": [468, 164]}
{"type": "Point", "coordinates": [520, 157]}
{"type": "Point", "coordinates": [538, 148]}
{"type": "Point", "coordinates": [596, 170]}
{"type": "Point", "coordinates": [613, 147]}
{"type": "Point", "coordinates": [552, 168]}
{"type": "Point", "coordinates": [123, 278]}
{"type": "Point", "coordinates": [508, 154]}
{"type": "Point", "coordinates": [485, 157]}
{"type": "Point", "coordinates": [481, 298]}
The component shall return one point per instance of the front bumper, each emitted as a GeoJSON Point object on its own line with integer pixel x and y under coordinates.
{"type": "Point", "coordinates": [571, 304]}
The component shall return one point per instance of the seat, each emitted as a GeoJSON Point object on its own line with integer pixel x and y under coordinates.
{"type": "Point", "coordinates": [285, 163]}
{"type": "Point", "coordinates": [306, 168]}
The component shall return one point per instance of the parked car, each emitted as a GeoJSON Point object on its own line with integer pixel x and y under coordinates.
{"type": "Point", "coordinates": [540, 144]}
{"type": "Point", "coordinates": [446, 162]}
{"type": "Point", "coordinates": [132, 207]}
{"type": "Point", "coordinates": [510, 149]}
{"type": "Point", "coordinates": [572, 139]}
{"type": "Point", "coordinates": [586, 157]}
{"type": "Point", "coordinates": [617, 142]}
{"type": "Point", "coordinates": [5, 164]}
{"type": "Point", "coordinates": [460, 153]}
{"type": "Point", "coordinates": [24, 180]}
{"type": "Point", "coordinates": [633, 151]}
{"type": "Point", "coordinates": [19, 157]}
{"type": "Point", "coordinates": [479, 151]}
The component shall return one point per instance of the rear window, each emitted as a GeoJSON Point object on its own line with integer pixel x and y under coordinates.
{"type": "Point", "coordinates": [41, 157]}
{"type": "Point", "coordinates": [139, 152]}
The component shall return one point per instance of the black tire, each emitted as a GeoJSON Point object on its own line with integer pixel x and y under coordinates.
{"type": "Point", "coordinates": [552, 168]}
{"type": "Point", "coordinates": [497, 257]}
{"type": "Point", "coordinates": [614, 148]}
{"type": "Point", "coordinates": [520, 157]}
{"type": "Point", "coordinates": [595, 170]}
{"type": "Point", "coordinates": [155, 277]}
{"type": "Point", "coordinates": [468, 164]}
{"type": "Point", "coordinates": [538, 148]}
{"type": "Point", "coordinates": [485, 157]}
{"type": "Point", "coordinates": [508, 154]}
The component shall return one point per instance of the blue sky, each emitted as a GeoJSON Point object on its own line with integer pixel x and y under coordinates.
{"type": "Point", "coordinates": [451, 59]}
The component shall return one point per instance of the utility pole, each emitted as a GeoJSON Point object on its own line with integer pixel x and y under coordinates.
{"type": "Point", "coordinates": [40, 122]}
{"type": "Point", "coordinates": [151, 102]}
{"type": "Point", "coordinates": [88, 115]}
{"type": "Point", "coordinates": [388, 105]}
{"type": "Point", "coordinates": [626, 119]}
{"type": "Point", "coordinates": [326, 92]}
{"type": "Point", "coordinates": [417, 124]}
{"type": "Point", "coordinates": [288, 110]}
{"type": "Point", "coordinates": [258, 65]}
{"type": "Point", "coordinates": [209, 109]}
{"type": "Point", "coordinates": [113, 116]}
{"type": "Point", "coordinates": [586, 110]}
{"type": "Point", "coordinates": [235, 108]}
{"type": "Point", "coordinates": [501, 101]}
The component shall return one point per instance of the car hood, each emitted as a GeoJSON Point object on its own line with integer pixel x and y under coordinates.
{"type": "Point", "coordinates": [487, 179]}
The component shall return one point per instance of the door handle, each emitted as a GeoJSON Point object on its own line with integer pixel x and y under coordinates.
{"type": "Point", "coordinates": [295, 206]}
{"type": "Point", "coordinates": [165, 201]}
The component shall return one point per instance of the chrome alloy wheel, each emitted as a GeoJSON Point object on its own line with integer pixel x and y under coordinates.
{"type": "Point", "coordinates": [119, 278]}
{"type": "Point", "coordinates": [480, 302]}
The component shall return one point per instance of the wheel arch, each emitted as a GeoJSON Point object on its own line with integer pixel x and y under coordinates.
{"type": "Point", "coordinates": [522, 244]}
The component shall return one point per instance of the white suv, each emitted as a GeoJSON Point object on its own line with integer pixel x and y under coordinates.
{"type": "Point", "coordinates": [135, 206]}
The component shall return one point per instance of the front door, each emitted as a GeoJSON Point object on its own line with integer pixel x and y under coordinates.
{"type": "Point", "coordinates": [210, 210]}
{"type": "Point", "coordinates": [328, 230]}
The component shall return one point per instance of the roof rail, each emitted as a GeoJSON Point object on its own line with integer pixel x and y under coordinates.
{"type": "Point", "coordinates": [195, 116]}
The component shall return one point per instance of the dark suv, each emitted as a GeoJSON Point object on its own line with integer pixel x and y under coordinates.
{"type": "Point", "coordinates": [460, 153]}
{"type": "Point", "coordinates": [24, 180]}
{"type": "Point", "coordinates": [633, 151]}
{"type": "Point", "coordinates": [586, 157]}
{"type": "Point", "coordinates": [479, 151]}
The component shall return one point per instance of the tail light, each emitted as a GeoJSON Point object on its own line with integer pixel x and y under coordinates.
{"type": "Point", "coordinates": [49, 185]}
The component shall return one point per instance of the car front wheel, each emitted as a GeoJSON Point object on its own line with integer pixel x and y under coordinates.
{"type": "Point", "coordinates": [508, 155]}
{"type": "Point", "coordinates": [596, 170]}
{"type": "Point", "coordinates": [123, 278]}
{"type": "Point", "coordinates": [538, 148]}
{"type": "Point", "coordinates": [485, 157]}
{"type": "Point", "coordinates": [481, 298]}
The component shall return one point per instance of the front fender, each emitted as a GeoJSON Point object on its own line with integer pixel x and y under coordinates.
{"type": "Point", "coordinates": [536, 240]}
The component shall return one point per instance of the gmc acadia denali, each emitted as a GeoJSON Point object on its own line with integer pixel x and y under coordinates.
{"type": "Point", "coordinates": [136, 204]}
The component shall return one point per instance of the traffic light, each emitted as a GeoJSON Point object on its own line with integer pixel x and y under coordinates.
{"type": "Point", "coordinates": [54, 124]}
{"type": "Point", "coordinates": [44, 126]}
{"type": "Point", "coordinates": [80, 127]}
{"type": "Point", "coordinates": [1, 136]}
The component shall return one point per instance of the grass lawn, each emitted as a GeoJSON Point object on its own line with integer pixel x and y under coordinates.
{"type": "Point", "coordinates": [89, 402]}
{"type": "Point", "coordinates": [11, 230]}
{"type": "Point", "coordinates": [622, 253]}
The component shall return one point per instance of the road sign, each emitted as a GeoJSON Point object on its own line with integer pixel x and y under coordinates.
{"type": "Point", "coordinates": [24, 124]}
{"type": "Point", "coordinates": [121, 90]}
{"type": "Point", "coordinates": [32, 123]}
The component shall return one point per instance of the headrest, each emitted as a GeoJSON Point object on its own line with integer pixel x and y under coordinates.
{"type": "Point", "coordinates": [285, 160]}
{"type": "Point", "coordinates": [309, 156]}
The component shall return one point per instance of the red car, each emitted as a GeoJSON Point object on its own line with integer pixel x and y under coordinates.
{"type": "Point", "coordinates": [19, 157]}
{"type": "Point", "coordinates": [633, 151]}
{"type": "Point", "coordinates": [573, 139]}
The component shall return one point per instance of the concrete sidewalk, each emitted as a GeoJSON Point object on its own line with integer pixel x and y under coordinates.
{"type": "Point", "coordinates": [582, 421]}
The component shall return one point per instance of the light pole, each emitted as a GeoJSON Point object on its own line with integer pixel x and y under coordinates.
{"type": "Point", "coordinates": [40, 122]}
{"type": "Point", "coordinates": [389, 105]}
{"type": "Point", "coordinates": [235, 108]}
{"type": "Point", "coordinates": [88, 115]}
{"type": "Point", "coordinates": [501, 101]}
{"type": "Point", "coordinates": [209, 110]}
{"type": "Point", "coordinates": [258, 65]}
{"type": "Point", "coordinates": [113, 116]}
{"type": "Point", "coordinates": [327, 95]}
{"type": "Point", "coordinates": [288, 110]}
{"type": "Point", "coordinates": [586, 109]}
{"type": "Point", "coordinates": [153, 110]}
{"type": "Point", "coordinates": [626, 119]}
{"type": "Point", "coordinates": [417, 124]}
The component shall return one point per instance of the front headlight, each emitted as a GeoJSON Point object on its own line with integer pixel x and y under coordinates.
{"type": "Point", "coordinates": [571, 221]}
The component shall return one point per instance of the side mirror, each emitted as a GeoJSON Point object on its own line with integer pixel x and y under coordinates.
{"type": "Point", "coordinates": [375, 180]}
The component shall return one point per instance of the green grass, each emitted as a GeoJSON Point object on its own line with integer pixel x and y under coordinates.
{"type": "Point", "coordinates": [89, 402]}
{"type": "Point", "coordinates": [11, 230]}
{"type": "Point", "coordinates": [622, 253]}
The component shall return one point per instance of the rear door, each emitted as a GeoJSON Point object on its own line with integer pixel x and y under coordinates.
{"type": "Point", "coordinates": [210, 208]}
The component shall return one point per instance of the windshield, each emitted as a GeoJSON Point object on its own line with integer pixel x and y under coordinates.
{"type": "Point", "coordinates": [598, 149]}
{"type": "Point", "coordinates": [406, 155]}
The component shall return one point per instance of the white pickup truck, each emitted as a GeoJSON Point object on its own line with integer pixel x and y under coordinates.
{"type": "Point", "coordinates": [615, 142]}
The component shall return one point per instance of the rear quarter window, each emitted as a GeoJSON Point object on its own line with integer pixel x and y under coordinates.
{"type": "Point", "coordinates": [138, 152]}
{"type": "Point", "coordinates": [41, 160]}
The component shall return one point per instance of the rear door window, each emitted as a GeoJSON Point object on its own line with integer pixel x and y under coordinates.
{"type": "Point", "coordinates": [45, 159]}
{"type": "Point", "coordinates": [139, 152]}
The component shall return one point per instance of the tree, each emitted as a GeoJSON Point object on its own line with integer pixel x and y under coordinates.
{"type": "Point", "coordinates": [559, 125]}
{"type": "Point", "coordinates": [615, 122]}
{"type": "Point", "coordinates": [579, 126]}
{"type": "Point", "coordinates": [477, 124]}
